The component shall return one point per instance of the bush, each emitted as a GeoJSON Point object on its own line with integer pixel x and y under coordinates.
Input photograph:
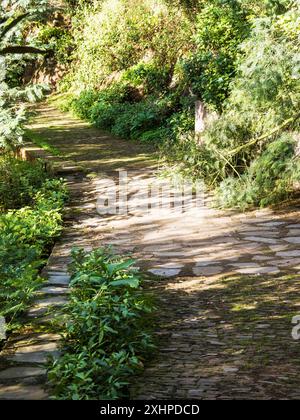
{"type": "Point", "coordinates": [263, 106]}
{"type": "Point", "coordinates": [149, 77]}
{"type": "Point", "coordinates": [137, 118]}
{"type": "Point", "coordinates": [82, 105]}
{"type": "Point", "coordinates": [106, 338]}
{"type": "Point", "coordinates": [221, 27]}
{"type": "Point", "coordinates": [156, 136]}
{"type": "Point", "coordinates": [57, 39]}
{"type": "Point", "coordinates": [269, 180]}
{"type": "Point", "coordinates": [26, 236]}
{"type": "Point", "coordinates": [19, 182]}
{"type": "Point", "coordinates": [118, 35]}
{"type": "Point", "coordinates": [104, 115]}
{"type": "Point", "coordinates": [121, 110]}
{"type": "Point", "coordinates": [100, 107]}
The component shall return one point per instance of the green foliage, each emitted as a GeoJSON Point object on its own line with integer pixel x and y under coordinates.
{"type": "Point", "coordinates": [25, 237]}
{"type": "Point", "coordinates": [155, 136]}
{"type": "Point", "coordinates": [264, 103]}
{"type": "Point", "coordinates": [127, 33]}
{"type": "Point", "coordinates": [120, 110]}
{"type": "Point", "coordinates": [265, 95]}
{"type": "Point", "coordinates": [180, 145]}
{"type": "Point", "coordinates": [269, 179]}
{"type": "Point", "coordinates": [137, 119]}
{"type": "Point", "coordinates": [141, 63]}
{"type": "Point", "coordinates": [19, 182]}
{"type": "Point", "coordinates": [149, 77]}
{"type": "Point", "coordinates": [13, 112]}
{"type": "Point", "coordinates": [190, 7]}
{"type": "Point", "coordinates": [82, 105]}
{"type": "Point", "coordinates": [57, 39]}
{"type": "Point", "coordinates": [14, 15]}
{"type": "Point", "coordinates": [107, 330]}
{"type": "Point", "coordinates": [221, 27]}
{"type": "Point", "coordinates": [277, 7]}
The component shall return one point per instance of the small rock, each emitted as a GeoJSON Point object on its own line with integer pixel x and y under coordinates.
{"type": "Point", "coordinates": [165, 272]}
{"type": "Point", "coordinates": [230, 370]}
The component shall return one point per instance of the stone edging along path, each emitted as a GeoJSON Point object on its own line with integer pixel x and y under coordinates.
{"type": "Point", "coordinates": [227, 284]}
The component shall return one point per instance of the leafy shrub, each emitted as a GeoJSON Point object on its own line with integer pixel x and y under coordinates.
{"type": "Point", "coordinates": [263, 105]}
{"type": "Point", "coordinates": [59, 40]}
{"type": "Point", "coordinates": [14, 23]}
{"type": "Point", "coordinates": [268, 180]}
{"type": "Point", "coordinates": [104, 115]}
{"type": "Point", "coordinates": [156, 136]}
{"type": "Point", "coordinates": [106, 338]}
{"type": "Point", "coordinates": [221, 27]}
{"type": "Point", "coordinates": [82, 104]}
{"type": "Point", "coordinates": [138, 118]}
{"type": "Point", "coordinates": [25, 238]}
{"type": "Point", "coordinates": [148, 76]}
{"type": "Point", "coordinates": [265, 98]}
{"type": "Point", "coordinates": [100, 106]}
{"type": "Point", "coordinates": [19, 182]}
{"type": "Point", "coordinates": [121, 110]}
{"type": "Point", "coordinates": [121, 34]}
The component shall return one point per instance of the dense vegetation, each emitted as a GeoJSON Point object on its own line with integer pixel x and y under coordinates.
{"type": "Point", "coordinates": [107, 333]}
{"type": "Point", "coordinates": [16, 49]}
{"type": "Point", "coordinates": [31, 222]}
{"type": "Point", "coordinates": [31, 201]}
{"type": "Point", "coordinates": [140, 65]}
{"type": "Point", "coordinates": [137, 67]}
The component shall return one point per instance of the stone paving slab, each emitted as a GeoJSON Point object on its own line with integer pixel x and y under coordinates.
{"type": "Point", "coordinates": [23, 392]}
{"type": "Point", "coordinates": [22, 372]}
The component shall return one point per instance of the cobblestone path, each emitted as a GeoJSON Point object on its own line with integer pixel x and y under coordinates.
{"type": "Point", "coordinates": [227, 284]}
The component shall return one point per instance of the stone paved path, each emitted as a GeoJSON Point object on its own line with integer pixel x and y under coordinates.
{"type": "Point", "coordinates": [227, 283]}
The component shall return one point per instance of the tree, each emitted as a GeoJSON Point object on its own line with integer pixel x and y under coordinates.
{"type": "Point", "coordinates": [14, 14]}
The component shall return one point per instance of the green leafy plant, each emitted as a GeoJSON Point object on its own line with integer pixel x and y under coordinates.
{"type": "Point", "coordinates": [57, 39]}
{"type": "Point", "coordinates": [149, 77]}
{"type": "Point", "coordinates": [26, 237]}
{"type": "Point", "coordinates": [19, 182]}
{"type": "Point", "coordinates": [106, 338]}
{"type": "Point", "coordinates": [269, 179]}
{"type": "Point", "coordinates": [221, 28]}
{"type": "Point", "coordinates": [142, 64]}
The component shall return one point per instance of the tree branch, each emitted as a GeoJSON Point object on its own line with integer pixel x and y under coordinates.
{"type": "Point", "coordinates": [3, 20]}
{"type": "Point", "coordinates": [265, 136]}
{"type": "Point", "coordinates": [14, 23]}
{"type": "Point", "coordinates": [19, 49]}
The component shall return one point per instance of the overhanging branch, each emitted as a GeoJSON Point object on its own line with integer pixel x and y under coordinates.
{"type": "Point", "coordinates": [14, 23]}
{"type": "Point", "coordinates": [265, 136]}
{"type": "Point", "coordinates": [17, 49]}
